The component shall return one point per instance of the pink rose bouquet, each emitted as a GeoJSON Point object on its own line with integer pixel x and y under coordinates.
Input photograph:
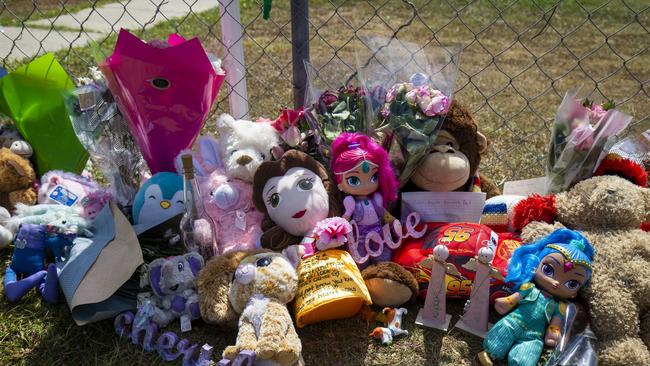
{"type": "Point", "coordinates": [582, 132]}
{"type": "Point", "coordinates": [411, 117]}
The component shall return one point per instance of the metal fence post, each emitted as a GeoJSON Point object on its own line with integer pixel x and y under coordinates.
{"type": "Point", "coordinates": [299, 49]}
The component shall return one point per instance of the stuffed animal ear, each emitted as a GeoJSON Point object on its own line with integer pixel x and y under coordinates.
{"type": "Point", "coordinates": [209, 149]}
{"type": "Point", "coordinates": [225, 123]}
{"type": "Point", "coordinates": [54, 180]}
{"type": "Point", "coordinates": [18, 168]}
{"type": "Point", "coordinates": [482, 143]}
{"type": "Point", "coordinates": [196, 262]}
{"type": "Point", "coordinates": [155, 275]}
{"type": "Point", "coordinates": [213, 287]}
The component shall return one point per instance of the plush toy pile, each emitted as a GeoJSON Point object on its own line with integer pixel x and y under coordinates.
{"type": "Point", "coordinates": [276, 225]}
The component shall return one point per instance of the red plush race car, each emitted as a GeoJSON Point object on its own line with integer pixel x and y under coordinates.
{"type": "Point", "coordinates": [463, 240]}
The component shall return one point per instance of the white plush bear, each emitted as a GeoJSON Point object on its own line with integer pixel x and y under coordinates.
{"type": "Point", "coordinates": [244, 145]}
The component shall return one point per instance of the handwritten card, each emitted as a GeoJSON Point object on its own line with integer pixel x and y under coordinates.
{"type": "Point", "coordinates": [444, 206]}
{"type": "Point", "coordinates": [525, 187]}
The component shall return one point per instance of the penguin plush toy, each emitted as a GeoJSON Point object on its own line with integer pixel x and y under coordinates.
{"type": "Point", "coordinates": [158, 200]}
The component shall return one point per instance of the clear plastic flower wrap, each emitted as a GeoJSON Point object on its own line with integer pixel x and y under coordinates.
{"type": "Point", "coordinates": [335, 103]}
{"type": "Point", "coordinates": [411, 87]}
{"type": "Point", "coordinates": [582, 131]}
{"type": "Point", "coordinates": [102, 131]}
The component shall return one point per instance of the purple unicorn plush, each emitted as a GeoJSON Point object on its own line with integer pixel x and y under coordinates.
{"type": "Point", "coordinates": [172, 281]}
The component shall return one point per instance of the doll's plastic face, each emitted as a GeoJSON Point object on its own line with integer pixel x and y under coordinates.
{"type": "Point", "coordinates": [296, 201]}
{"type": "Point", "coordinates": [485, 255]}
{"type": "Point", "coordinates": [560, 277]}
{"type": "Point", "coordinates": [363, 180]}
{"type": "Point", "coordinates": [440, 253]}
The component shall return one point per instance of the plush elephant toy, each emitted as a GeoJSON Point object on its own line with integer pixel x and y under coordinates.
{"type": "Point", "coordinates": [172, 281]}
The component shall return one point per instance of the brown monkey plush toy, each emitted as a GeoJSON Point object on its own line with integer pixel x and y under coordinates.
{"type": "Point", "coordinates": [452, 164]}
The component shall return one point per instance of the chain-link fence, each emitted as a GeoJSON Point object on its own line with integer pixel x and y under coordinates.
{"type": "Point", "coordinates": [518, 59]}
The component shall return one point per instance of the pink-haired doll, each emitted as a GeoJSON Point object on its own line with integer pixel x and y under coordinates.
{"type": "Point", "coordinates": [363, 171]}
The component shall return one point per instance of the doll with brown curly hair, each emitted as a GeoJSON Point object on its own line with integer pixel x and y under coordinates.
{"type": "Point", "coordinates": [294, 193]}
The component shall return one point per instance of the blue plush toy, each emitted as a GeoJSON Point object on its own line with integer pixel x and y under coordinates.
{"type": "Point", "coordinates": [27, 268]}
{"type": "Point", "coordinates": [159, 199]}
{"type": "Point", "coordinates": [42, 229]}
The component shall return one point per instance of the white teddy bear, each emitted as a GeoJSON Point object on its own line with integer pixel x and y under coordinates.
{"type": "Point", "coordinates": [244, 145]}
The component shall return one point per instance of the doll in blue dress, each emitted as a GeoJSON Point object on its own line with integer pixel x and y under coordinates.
{"type": "Point", "coordinates": [545, 273]}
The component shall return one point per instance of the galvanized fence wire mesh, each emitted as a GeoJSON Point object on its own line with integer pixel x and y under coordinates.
{"type": "Point", "coordinates": [518, 57]}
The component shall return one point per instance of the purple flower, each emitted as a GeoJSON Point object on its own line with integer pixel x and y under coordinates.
{"type": "Point", "coordinates": [352, 90]}
{"type": "Point", "coordinates": [327, 99]}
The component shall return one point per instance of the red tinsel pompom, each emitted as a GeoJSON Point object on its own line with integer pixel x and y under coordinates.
{"type": "Point", "coordinates": [534, 208]}
{"type": "Point", "coordinates": [623, 168]}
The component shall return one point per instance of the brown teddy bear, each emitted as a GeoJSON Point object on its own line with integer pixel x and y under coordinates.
{"type": "Point", "coordinates": [255, 288]}
{"type": "Point", "coordinates": [16, 179]}
{"type": "Point", "coordinates": [609, 211]}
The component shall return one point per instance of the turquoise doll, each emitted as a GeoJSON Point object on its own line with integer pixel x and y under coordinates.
{"type": "Point", "coordinates": [545, 273]}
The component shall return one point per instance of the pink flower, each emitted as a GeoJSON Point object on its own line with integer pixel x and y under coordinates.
{"type": "Point", "coordinates": [291, 136]}
{"type": "Point", "coordinates": [423, 103]}
{"type": "Point", "coordinates": [332, 232]}
{"type": "Point", "coordinates": [392, 93]}
{"type": "Point", "coordinates": [423, 91]}
{"type": "Point", "coordinates": [286, 119]}
{"type": "Point", "coordinates": [411, 96]}
{"type": "Point", "coordinates": [582, 136]}
{"type": "Point", "coordinates": [396, 89]}
{"type": "Point", "coordinates": [385, 111]}
{"type": "Point", "coordinates": [438, 105]}
{"type": "Point", "coordinates": [596, 112]}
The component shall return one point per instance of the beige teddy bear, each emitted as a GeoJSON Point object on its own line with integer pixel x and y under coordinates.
{"type": "Point", "coordinates": [258, 289]}
{"type": "Point", "coordinates": [609, 211]}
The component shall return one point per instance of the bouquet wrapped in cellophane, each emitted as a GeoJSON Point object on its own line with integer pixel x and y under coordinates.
{"type": "Point", "coordinates": [334, 108]}
{"type": "Point", "coordinates": [582, 131]}
{"type": "Point", "coordinates": [102, 131]}
{"type": "Point", "coordinates": [411, 118]}
{"type": "Point", "coordinates": [419, 83]}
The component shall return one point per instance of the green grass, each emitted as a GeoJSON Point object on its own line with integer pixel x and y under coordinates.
{"type": "Point", "coordinates": [513, 82]}
{"type": "Point", "coordinates": [16, 12]}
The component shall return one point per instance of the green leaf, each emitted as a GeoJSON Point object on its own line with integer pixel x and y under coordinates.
{"type": "Point", "coordinates": [609, 105]}
{"type": "Point", "coordinates": [341, 106]}
{"type": "Point", "coordinates": [341, 115]}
